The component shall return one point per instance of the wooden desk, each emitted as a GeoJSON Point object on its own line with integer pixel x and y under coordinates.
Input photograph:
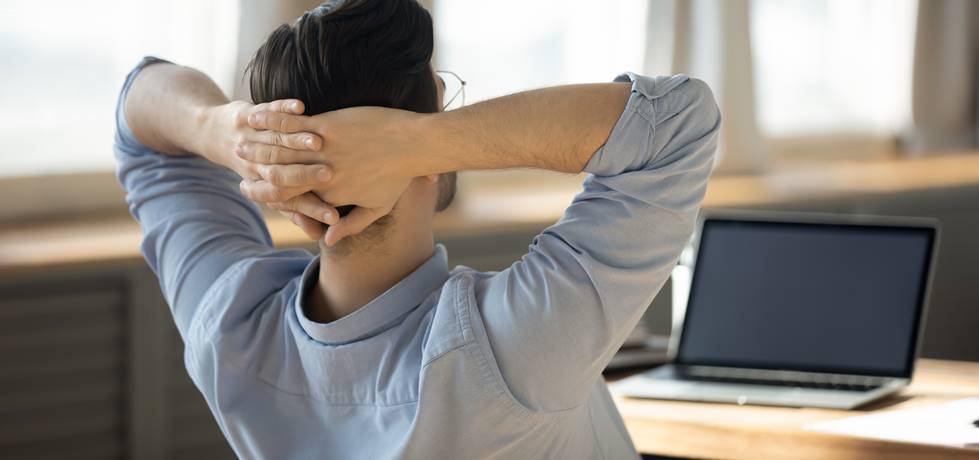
{"type": "Point", "coordinates": [727, 431]}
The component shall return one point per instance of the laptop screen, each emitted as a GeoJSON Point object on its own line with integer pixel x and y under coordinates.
{"type": "Point", "coordinates": [807, 297]}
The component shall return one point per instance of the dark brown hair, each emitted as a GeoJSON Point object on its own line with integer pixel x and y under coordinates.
{"type": "Point", "coordinates": [353, 53]}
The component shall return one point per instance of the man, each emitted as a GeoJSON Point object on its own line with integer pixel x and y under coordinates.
{"type": "Point", "coordinates": [374, 349]}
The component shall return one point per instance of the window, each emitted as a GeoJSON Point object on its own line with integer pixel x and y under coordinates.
{"type": "Point", "coordinates": [507, 46]}
{"type": "Point", "coordinates": [64, 62]}
{"type": "Point", "coordinates": [824, 69]}
{"type": "Point", "coordinates": [833, 67]}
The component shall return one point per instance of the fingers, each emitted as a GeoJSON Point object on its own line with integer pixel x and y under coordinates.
{"type": "Point", "coordinates": [264, 192]}
{"type": "Point", "coordinates": [281, 122]}
{"type": "Point", "coordinates": [293, 176]}
{"type": "Point", "coordinates": [280, 138]}
{"type": "Point", "coordinates": [311, 228]}
{"type": "Point", "coordinates": [298, 141]}
{"type": "Point", "coordinates": [308, 205]}
{"type": "Point", "coordinates": [275, 154]}
{"type": "Point", "coordinates": [294, 106]}
{"type": "Point", "coordinates": [351, 224]}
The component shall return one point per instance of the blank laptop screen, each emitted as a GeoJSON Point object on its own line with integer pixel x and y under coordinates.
{"type": "Point", "coordinates": [808, 297]}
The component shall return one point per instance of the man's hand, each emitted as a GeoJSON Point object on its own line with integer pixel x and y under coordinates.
{"type": "Point", "coordinates": [227, 132]}
{"type": "Point", "coordinates": [177, 110]}
{"type": "Point", "coordinates": [368, 149]}
{"type": "Point", "coordinates": [374, 153]}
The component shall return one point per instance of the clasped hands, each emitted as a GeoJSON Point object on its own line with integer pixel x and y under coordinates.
{"type": "Point", "coordinates": [306, 167]}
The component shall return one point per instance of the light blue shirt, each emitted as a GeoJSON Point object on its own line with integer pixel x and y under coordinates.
{"type": "Point", "coordinates": [447, 364]}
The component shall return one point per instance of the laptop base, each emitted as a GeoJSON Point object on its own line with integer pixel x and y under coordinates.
{"type": "Point", "coordinates": [666, 382]}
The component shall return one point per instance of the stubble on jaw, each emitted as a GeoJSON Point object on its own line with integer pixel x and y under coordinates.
{"type": "Point", "coordinates": [368, 241]}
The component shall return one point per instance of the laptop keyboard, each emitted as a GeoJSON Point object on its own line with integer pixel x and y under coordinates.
{"type": "Point", "coordinates": [843, 386]}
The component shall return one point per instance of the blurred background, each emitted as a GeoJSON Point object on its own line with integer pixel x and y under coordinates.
{"type": "Point", "coordinates": [850, 106]}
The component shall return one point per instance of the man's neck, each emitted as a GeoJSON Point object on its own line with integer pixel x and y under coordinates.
{"type": "Point", "coordinates": [351, 279]}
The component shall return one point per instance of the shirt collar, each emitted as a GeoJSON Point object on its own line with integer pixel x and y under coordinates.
{"type": "Point", "coordinates": [380, 313]}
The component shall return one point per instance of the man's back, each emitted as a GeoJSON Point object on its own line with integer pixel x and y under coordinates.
{"type": "Point", "coordinates": [410, 375]}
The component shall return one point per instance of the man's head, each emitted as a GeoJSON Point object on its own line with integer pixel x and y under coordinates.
{"type": "Point", "coordinates": [354, 53]}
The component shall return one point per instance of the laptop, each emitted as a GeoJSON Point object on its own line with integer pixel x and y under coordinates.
{"type": "Point", "coordinates": [798, 310]}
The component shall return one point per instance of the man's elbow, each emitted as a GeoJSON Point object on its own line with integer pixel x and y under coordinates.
{"type": "Point", "coordinates": [702, 104]}
{"type": "Point", "coordinates": [704, 120]}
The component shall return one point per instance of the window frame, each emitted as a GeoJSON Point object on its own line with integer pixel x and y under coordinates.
{"type": "Point", "coordinates": [64, 195]}
{"type": "Point", "coordinates": [794, 150]}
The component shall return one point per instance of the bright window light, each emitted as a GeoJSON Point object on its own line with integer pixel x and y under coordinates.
{"type": "Point", "coordinates": [506, 46]}
{"type": "Point", "coordinates": [64, 62]}
{"type": "Point", "coordinates": [833, 66]}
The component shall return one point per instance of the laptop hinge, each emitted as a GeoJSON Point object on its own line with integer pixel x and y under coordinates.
{"type": "Point", "coordinates": [781, 375]}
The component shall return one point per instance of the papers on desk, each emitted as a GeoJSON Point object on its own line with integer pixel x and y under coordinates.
{"type": "Point", "coordinates": [950, 424]}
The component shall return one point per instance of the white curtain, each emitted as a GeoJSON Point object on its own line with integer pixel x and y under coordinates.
{"type": "Point", "coordinates": [945, 101]}
{"type": "Point", "coordinates": [710, 40]}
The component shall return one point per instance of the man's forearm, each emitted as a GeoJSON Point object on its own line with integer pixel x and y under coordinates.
{"type": "Point", "coordinates": [555, 128]}
{"type": "Point", "coordinates": [166, 108]}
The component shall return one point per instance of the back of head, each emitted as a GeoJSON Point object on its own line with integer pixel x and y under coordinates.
{"type": "Point", "coordinates": [353, 53]}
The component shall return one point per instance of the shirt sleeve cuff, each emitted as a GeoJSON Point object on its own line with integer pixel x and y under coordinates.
{"type": "Point", "coordinates": [627, 146]}
{"type": "Point", "coordinates": [124, 135]}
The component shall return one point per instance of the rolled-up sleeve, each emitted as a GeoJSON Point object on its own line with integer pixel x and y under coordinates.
{"type": "Point", "coordinates": [195, 223]}
{"type": "Point", "coordinates": [555, 318]}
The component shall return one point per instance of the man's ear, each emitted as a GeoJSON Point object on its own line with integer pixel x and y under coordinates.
{"type": "Point", "coordinates": [428, 184]}
{"type": "Point", "coordinates": [447, 190]}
